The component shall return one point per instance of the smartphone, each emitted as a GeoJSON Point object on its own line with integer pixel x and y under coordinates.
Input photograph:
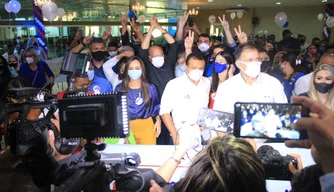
{"type": "Point", "coordinates": [268, 120]}
{"type": "Point", "coordinates": [270, 39]}
{"type": "Point", "coordinates": [216, 120]}
{"type": "Point", "coordinates": [190, 21]}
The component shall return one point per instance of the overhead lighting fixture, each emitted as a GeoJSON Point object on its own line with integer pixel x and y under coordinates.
{"type": "Point", "coordinates": [239, 5]}
{"type": "Point", "coordinates": [278, 3]}
{"type": "Point", "coordinates": [138, 7]}
{"type": "Point", "coordinates": [210, 1]}
{"type": "Point", "coordinates": [40, 3]}
{"type": "Point", "coordinates": [193, 12]}
{"type": "Point", "coordinates": [324, 1]}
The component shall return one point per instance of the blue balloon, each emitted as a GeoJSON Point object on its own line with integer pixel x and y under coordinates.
{"type": "Point", "coordinates": [131, 14]}
{"type": "Point", "coordinates": [286, 25]}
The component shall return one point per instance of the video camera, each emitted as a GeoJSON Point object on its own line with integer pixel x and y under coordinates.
{"type": "Point", "coordinates": [275, 165]}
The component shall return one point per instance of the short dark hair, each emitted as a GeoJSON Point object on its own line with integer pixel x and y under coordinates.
{"type": "Point", "coordinates": [96, 40]}
{"type": "Point", "coordinates": [240, 49]}
{"type": "Point", "coordinates": [262, 50]}
{"type": "Point", "coordinates": [221, 46]}
{"type": "Point", "coordinates": [204, 35]}
{"type": "Point", "coordinates": [113, 44]}
{"type": "Point", "coordinates": [315, 39]}
{"type": "Point", "coordinates": [195, 56]}
{"type": "Point", "coordinates": [307, 179]}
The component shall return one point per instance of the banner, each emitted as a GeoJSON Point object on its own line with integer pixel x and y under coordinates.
{"type": "Point", "coordinates": [55, 65]}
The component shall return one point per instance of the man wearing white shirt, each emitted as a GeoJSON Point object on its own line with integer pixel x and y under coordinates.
{"type": "Point", "coordinates": [111, 68]}
{"type": "Point", "coordinates": [302, 85]}
{"type": "Point", "coordinates": [250, 85]}
{"type": "Point", "coordinates": [10, 52]}
{"type": "Point", "coordinates": [184, 97]}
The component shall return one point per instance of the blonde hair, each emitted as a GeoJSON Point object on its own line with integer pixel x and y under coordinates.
{"type": "Point", "coordinates": [33, 53]}
{"type": "Point", "coordinates": [313, 92]}
{"type": "Point", "coordinates": [13, 56]}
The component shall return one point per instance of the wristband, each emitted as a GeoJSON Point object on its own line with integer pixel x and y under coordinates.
{"type": "Point", "coordinates": [83, 44]}
{"type": "Point", "coordinates": [177, 161]}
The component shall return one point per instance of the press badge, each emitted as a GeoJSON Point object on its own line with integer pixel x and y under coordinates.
{"type": "Point", "coordinates": [139, 100]}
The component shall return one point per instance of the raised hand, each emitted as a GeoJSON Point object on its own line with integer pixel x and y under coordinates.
{"type": "Point", "coordinates": [88, 38]}
{"type": "Point", "coordinates": [225, 24]}
{"type": "Point", "coordinates": [189, 41]}
{"type": "Point", "coordinates": [78, 35]}
{"type": "Point", "coordinates": [107, 34]}
{"type": "Point", "coordinates": [153, 21]}
{"type": "Point", "coordinates": [242, 36]}
{"type": "Point", "coordinates": [195, 28]}
{"type": "Point", "coordinates": [135, 27]}
{"type": "Point", "coordinates": [183, 20]}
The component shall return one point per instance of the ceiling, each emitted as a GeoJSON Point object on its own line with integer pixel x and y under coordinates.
{"type": "Point", "coordinates": [162, 8]}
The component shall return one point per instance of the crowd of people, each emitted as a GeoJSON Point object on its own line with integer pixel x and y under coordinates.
{"type": "Point", "coordinates": [168, 85]}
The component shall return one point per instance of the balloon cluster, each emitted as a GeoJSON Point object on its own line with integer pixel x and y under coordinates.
{"type": "Point", "coordinates": [13, 6]}
{"type": "Point", "coordinates": [239, 14]}
{"type": "Point", "coordinates": [50, 11]}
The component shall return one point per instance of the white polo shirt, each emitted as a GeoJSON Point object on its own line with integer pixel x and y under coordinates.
{"type": "Point", "coordinates": [265, 89]}
{"type": "Point", "coordinates": [302, 85]}
{"type": "Point", "coordinates": [184, 100]}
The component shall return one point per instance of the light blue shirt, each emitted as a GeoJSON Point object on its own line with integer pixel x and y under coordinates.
{"type": "Point", "coordinates": [327, 182]}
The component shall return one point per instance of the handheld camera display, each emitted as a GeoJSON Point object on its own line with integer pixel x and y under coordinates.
{"type": "Point", "coordinates": [268, 120]}
{"type": "Point", "coordinates": [216, 120]}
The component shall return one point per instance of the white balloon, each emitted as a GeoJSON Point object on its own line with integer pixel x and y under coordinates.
{"type": "Point", "coordinates": [330, 22]}
{"type": "Point", "coordinates": [240, 14]}
{"type": "Point", "coordinates": [61, 12]}
{"type": "Point", "coordinates": [212, 19]}
{"type": "Point", "coordinates": [14, 6]}
{"type": "Point", "coordinates": [320, 16]}
{"type": "Point", "coordinates": [280, 19]}
{"type": "Point", "coordinates": [141, 19]}
{"type": "Point", "coordinates": [50, 10]}
{"type": "Point", "coordinates": [232, 15]}
{"type": "Point", "coordinates": [7, 8]}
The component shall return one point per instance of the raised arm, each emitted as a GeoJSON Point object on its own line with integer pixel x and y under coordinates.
{"type": "Point", "coordinates": [82, 45]}
{"type": "Point", "coordinates": [136, 29]}
{"type": "Point", "coordinates": [167, 36]}
{"type": "Point", "coordinates": [106, 34]}
{"type": "Point", "coordinates": [77, 37]}
{"type": "Point", "coordinates": [146, 43]}
{"type": "Point", "coordinates": [180, 27]}
{"type": "Point", "coordinates": [188, 44]}
{"type": "Point", "coordinates": [227, 30]}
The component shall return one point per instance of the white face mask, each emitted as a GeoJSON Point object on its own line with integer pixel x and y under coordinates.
{"type": "Point", "coordinates": [158, 61]}
{"type": "Point", "coordinates": [203, 47]}
{"type": "Point", "coordinates": [113, 53]}
{"type": "Point", "coordinates": [29, 60]}
{"type": "Point", "coordinates": [253, 68]}
{"type": "Point", "coordinates": [90, 74]}
{"type": "Point", "coordinates": [195, 74]}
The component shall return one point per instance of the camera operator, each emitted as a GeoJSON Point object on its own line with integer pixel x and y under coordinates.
{"type": "Point", "coordinates": [38, 161]}
{"type": "Point", "coordinates": [319, 127]}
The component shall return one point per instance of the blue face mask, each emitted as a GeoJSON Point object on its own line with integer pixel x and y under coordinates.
{"type": "Point", "coordinates": [219, 67]}
{"type": "Point", "coordinates": [181, 68]}
{"type": "Point", "coordinates": [135, 74]}
{"type": "Point", "coordinates": [298, 116]}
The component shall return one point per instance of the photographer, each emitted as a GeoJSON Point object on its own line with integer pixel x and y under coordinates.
{"type": "Point", "coordinates": [227, 164]}
{"type": "Point", "coordinates": [319, 127]}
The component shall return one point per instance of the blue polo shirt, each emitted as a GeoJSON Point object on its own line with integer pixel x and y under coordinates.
{"type": "Point", "coordinates": [98, 71]}
{"type": "Point", "coordinates": [100, 85]}
{"type": "Point", "coordinates": [36, 78]}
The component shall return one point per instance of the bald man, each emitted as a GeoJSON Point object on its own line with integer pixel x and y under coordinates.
{"type": "Point", "coordinates": [303, 84]}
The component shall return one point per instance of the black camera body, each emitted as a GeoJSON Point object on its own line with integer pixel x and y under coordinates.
{"type": "Point", "coordinates": [275, 165]}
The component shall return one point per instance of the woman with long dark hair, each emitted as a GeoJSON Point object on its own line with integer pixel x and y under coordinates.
{"type": "Point", "coordinates": [223, 69]}
{"type": "Point", "coordinates": [144, 104]}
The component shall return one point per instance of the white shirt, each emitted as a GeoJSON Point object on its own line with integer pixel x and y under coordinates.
{"type": "Point", "coordinates": [265, 89]}
{"type": "Point", "coordinates": [184, 100]}
{"type": "Point", "coordinates": [5, 55]}
{"type": "Point", "coordinates": [109, 72]}
{"type": "Point", "coordinates": [302, 85]}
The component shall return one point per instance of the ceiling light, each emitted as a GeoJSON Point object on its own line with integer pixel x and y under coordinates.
{"type": "Point", "coordinates": [239, 5]}
{"type": "Point", "coordinates": [324, 1]}
{"type": "Point", "coordinates": [138, 7]}
{"type": "Point", "coordinates": [193, 12]}
{"type": "Point", "coordinates": [278, 3]}
{"type": "Point", "coordinates": [40, 3]}
{"type": "Point", "coordinates": [210, 1]}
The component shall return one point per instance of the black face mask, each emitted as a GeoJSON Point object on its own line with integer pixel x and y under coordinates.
{"type": "Point", "coordinates": [265, 65]}
{"type": "Point", "coordinates": [323, 87]}
{"type": "Point", "coordinates": [98, 55]}
{"type": "Point", "coordinates": [13, 65]}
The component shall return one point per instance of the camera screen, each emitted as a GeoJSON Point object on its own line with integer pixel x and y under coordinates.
{"type": "Point", "coordinates": [267, 120]}
{"type": "Point", "coordinates": [216, 120]}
